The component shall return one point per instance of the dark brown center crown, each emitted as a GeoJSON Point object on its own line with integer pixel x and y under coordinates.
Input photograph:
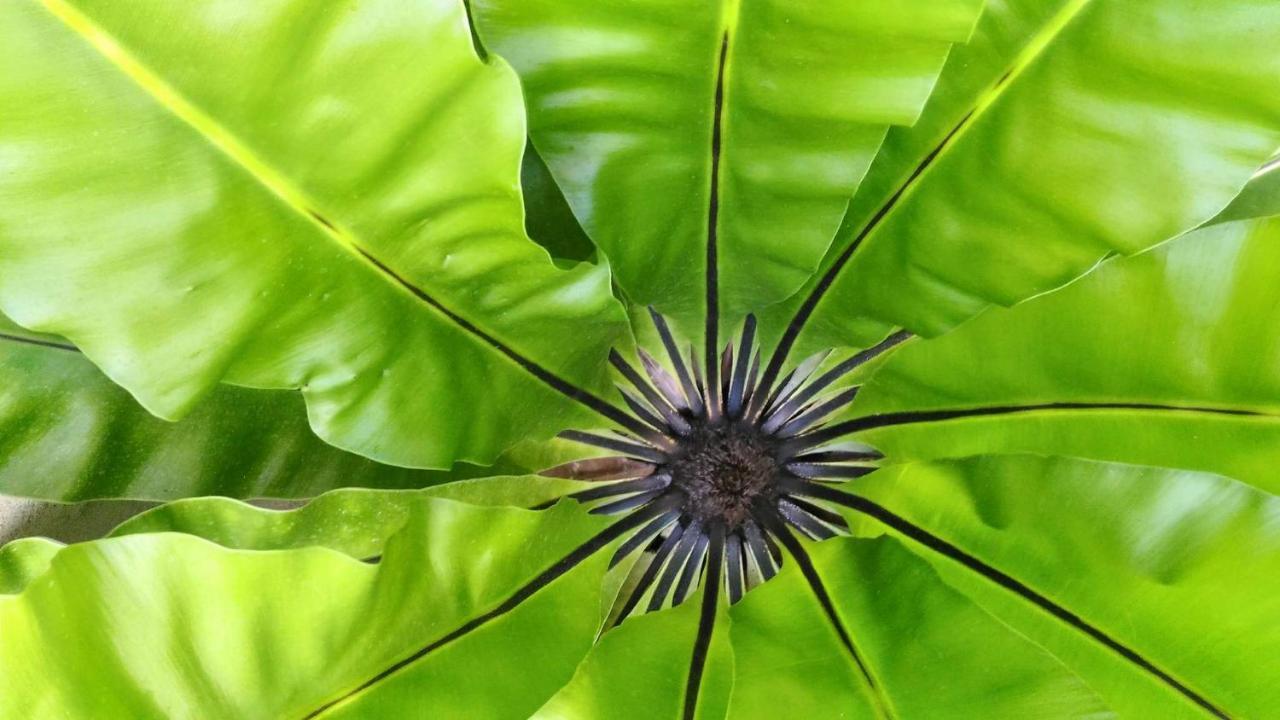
{"type": "Point", "coordinates": [720, 464]}
{"type": "Point", "coordinates": [724, 468]}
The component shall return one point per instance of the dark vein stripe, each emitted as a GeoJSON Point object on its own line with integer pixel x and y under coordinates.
{"type": "Point", "coordinates": [1023, 59]}
{"type": "Point", "coordinates": [865, 506]}
{"type": "Point", "coordinates": [629, 503]}
{"type": "Point", "coordinates": [692, 567]}
{"type": "Point", "coordinates": [655, 399]}
{"type": "Point", "coordinates": [712, 338]}
{"type": "Point", "coordinates": [706, 623]}
{"type": "Point", "coordinates": [797, 551]}
{"type": "Point", "coordinates": [599, 492]}
{"type": "Point", "coordinates": [679, 557]}
{"type": "Point", "coordinates": [476, 43]}
{"type": "Point", "coordinates": [225, 142]}
{"type": "Point", "coordinates": [803, 522]}
{"type": "Point", "coordinates": [893, 419]}
{"type": "Point", "coordinates": [642, 536]}
{"type": "Point", "coordinates": [650, 572]}
{"type": "Point", "coordinates": [692, 396]}
{"type": "Point", "coordinates": [819, 412]}
{"type": "Point", "coordinates": [862, 358]}
{"type": "Point", "coordinates": [555, 382]}
{"type": "Point", "coordinates": [756, 545]}
{"type": "Point", "coordinates": [608, 443]}
{"type": "Point", "coordinates": [828, 278]}
{"type": "Point", "coordinates": [829, 517]}
{"type": "Point", "coordinates": [848, 366]}
{"type": "Point", "coordinates": [39, 343]}
{"type": "Point", "coordinates": [734, 561]}
{"type": "Point", "coordinates": [738, 383]}
{"type": "Point", "coordinates": [546, 577]}
{"type": "Point", "coordinates": [830, 456]}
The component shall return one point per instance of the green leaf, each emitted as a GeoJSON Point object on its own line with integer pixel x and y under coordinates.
{"type": "Point", "coordinates": [70, 434]}
{"type": "Point", "coordinates": [24, 560]}
{"type": "Point", "coordinates": [1260, 198]}
{"type": "Point", "coordinates": [640, 669]}
{"type": "Point", "coordinates": [354, 521]}
{"type": "Point", "coordinates": [668, 124]}
{"type": "Point", "coordinates": [1066, 132]}
{"type": "Point", "coordinates": [644, 663]}
{"type": "Point", "coordinates": [217, 633]}
{"type": "Point", "coordinates": [923, 650]}
{"type": "Point", "coordinates": [549, 221]}
{"type": "Point", "coordinates": [1092, 561]}
{"type": "Point", "coordinates": [285, 196]}
{"type": "Point", "coordinates": [1183, 334]}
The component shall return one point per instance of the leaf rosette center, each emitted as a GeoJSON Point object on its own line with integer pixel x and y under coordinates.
{"type": "Point", "coordinates": [724, 469]}
{"type": "Point", "coordinates": [720, 463]}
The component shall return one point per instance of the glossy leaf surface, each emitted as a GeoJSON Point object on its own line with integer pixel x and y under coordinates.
{"type": "Point", "coordinates": [71, 434]}
{"type": "Point", "coordinates": [640, 670]}
{"type": "Point", "coordinates": [355, 521]}
{"type": "Point", "coordinates": [283, 197]}
{"type": "Point", "coordinates": [771, 648]}
{"type": "Point", "coordinates": [927, 650]}
{"type": "Point", "coordinates": [1177, 567]}
{"type": "Point", "coordinates": [187, 206]}
{"type": "Point", "coordinates": [1064, 133]}
{"type": "Point", "coordinates": [24, 560]}
{"type": "Point", "coordinates": [221, 633]}
{"type": "Point", "coordinates": [549, 221]}
{"type": "Point", "coordinates": [1260, 198]}
{"type": "Point", "coordinates": [1187, 329]}
{"type": "Point", "coordinates": [751, 123]}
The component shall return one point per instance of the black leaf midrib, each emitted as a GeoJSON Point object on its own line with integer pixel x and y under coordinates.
{"type": "Point", "coordinates": [973, 563]}
{"type": "Point", "coordinates": [226, 143]}
{"type": "Point", "coordinates": [919, 417]}
{"type": "Point", "coordinates": [38, 342]}
{"type": "Point", "coordinates": [981, 101]}
{"type": "Point", "coordinates": [552, 573]}
{"type": "Point", "coordinates": [712, 300]}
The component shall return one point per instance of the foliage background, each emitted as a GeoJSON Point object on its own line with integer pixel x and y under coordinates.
{"type": "Point", "coordinates": [375, 254]}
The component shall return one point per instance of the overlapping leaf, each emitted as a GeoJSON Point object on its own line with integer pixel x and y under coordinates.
{"type": "Point", "coordinates": [917, 648]}
{"type": "Point", "coordinates": [1067, 131]}
{"type": "Point", "coordinates": [68, 433]}
{"type": "Point", "coordinates": [642, 666]}
{"type": "Point", "coordinates": [1170, 358]}
{"type": "Point", "coordinates": [641, 669]}
{"type": "Point", "coordinates": [354, 521]}
{"type": "Point", "coordinates": [1260, 198]}
{"type": "Point", "coordinates": [286, 198]}
{"type": "Point", "coordinates": [1134, 578]}
{"type": "Point", "coordinates": [217, 633]}
{"type": "Point", "coordinates": [24, 560]}
{"type": "Point", "coordinates": [1155, 586]}
{"type": "Point", "coordinates": [744, 125]}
